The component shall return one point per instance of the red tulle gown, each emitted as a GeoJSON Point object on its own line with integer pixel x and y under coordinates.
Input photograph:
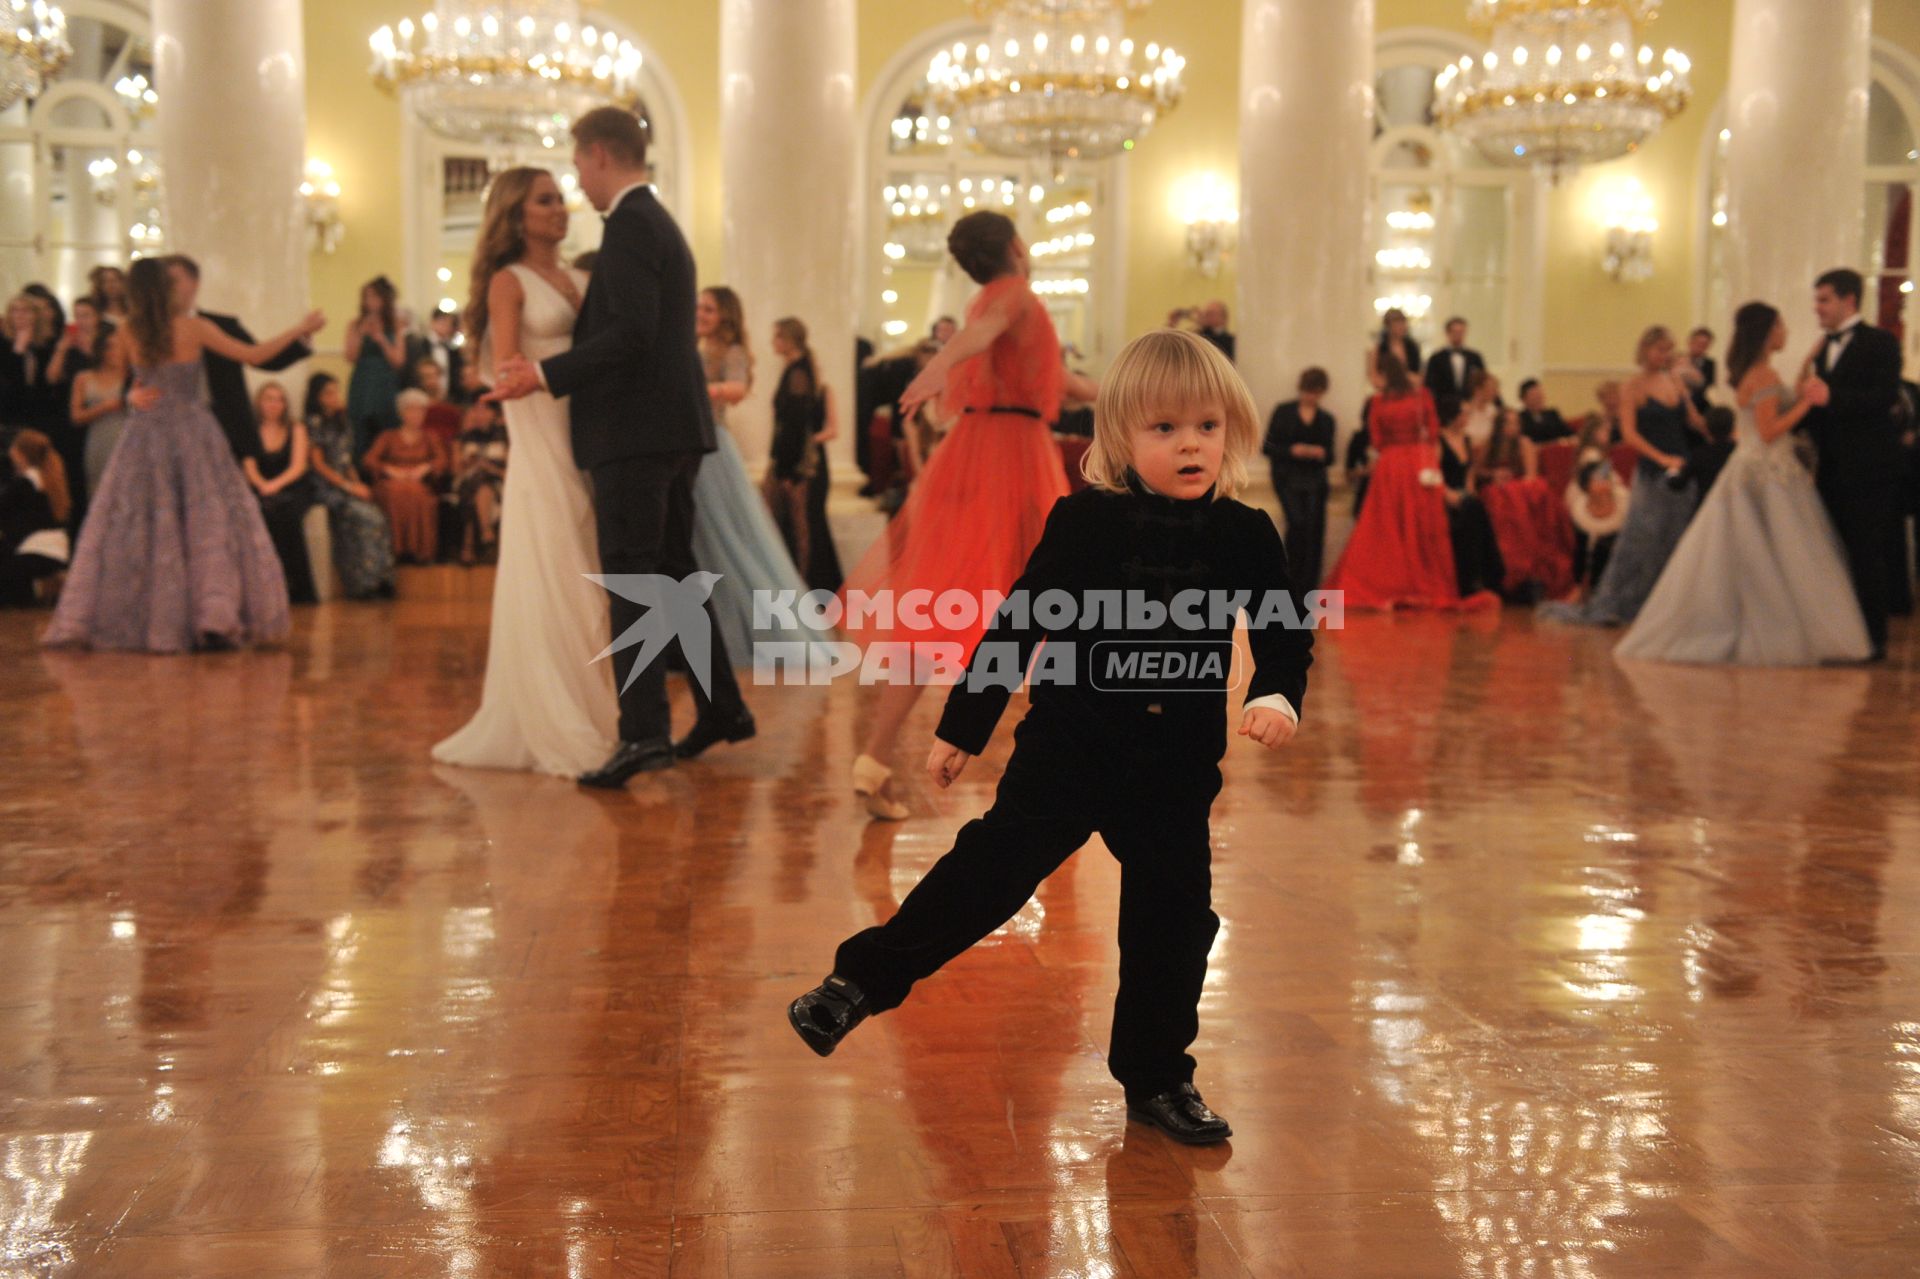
{"type": "Point", "coordinates": [1401, 553]}
{"type": "Point", "coordinates": [976, 511]}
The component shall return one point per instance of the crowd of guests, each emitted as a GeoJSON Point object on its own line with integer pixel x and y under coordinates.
{"type": "Point", "coordinates": [1462, 500]}
{"type": "Point", "coordinates": [406, 459]}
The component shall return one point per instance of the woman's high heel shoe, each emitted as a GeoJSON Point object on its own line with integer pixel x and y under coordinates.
{"type": "Point", "coordinates": [871, 782]}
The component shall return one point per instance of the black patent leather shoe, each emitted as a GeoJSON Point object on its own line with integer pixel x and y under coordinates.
{"type": "Point", "coordinates": [733, 728]}
{"type": "Point", "coordinates": [1183, 1116]}
{"type": "Point", "coordinates": [627, 759]}
{"type": "Point", "coordinates": [826, 1014]}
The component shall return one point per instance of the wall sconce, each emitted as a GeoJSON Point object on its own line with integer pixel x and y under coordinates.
{"type": "Point", "coordinates": [1210, 210]}
{"type": "Point", "coordinates": [321, 194]}
{"type": "Point", "coordinates": [1626, 212]}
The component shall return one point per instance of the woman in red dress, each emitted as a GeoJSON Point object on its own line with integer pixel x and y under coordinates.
{"type": "Point", "coordinates": [1400, 554]}
{"type": "Point", "coordinates": [977, 510]}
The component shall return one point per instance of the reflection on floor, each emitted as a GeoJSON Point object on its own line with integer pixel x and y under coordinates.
{"type": "Point", "coordinates": [1533, 965]}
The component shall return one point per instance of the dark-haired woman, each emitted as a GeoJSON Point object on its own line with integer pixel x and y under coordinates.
{"type": "Point", "coordinates": [377, 349]}
{"type": "Point", "coordinates": [976, 512]}
{"type": "Point", "coordinates": [1760, 577]}
{"type": "Point", "coordinates": [1395, 340]}
{"type": "Point", "coordinates": [362, 542]}
{"type": "Point", "coordinates": [1401, 552]}
{"type": "Point", "coordinates": [174, 554]}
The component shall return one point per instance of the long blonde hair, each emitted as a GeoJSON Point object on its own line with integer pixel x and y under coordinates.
{"type": "Point", "coordinates": [1153, 375]}
{"type": "Point", "coordinates": [502, 240]}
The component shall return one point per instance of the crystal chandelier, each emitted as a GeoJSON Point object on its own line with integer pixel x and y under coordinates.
{"type": "Point", "coordinates": [1055, 79]}
{"type": "Point", "coordinates": [33, 48]}
{"type": "Point", "coordinates": [504, 74]}
{"type": "Point", "coordinates": [1564, 82]}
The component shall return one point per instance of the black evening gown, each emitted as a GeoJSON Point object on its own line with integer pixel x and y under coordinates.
{"type": "Point", "coordinates": [285, 513]}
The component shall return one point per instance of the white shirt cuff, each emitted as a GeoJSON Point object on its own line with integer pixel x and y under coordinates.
{"type": "Point", "coordinates": [541, 374]}
{"type": "Point", "coordinates": [1274, 702]}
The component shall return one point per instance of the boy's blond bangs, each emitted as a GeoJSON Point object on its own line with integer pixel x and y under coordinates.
{"type": "Point", "coordinates": [1152, 375]}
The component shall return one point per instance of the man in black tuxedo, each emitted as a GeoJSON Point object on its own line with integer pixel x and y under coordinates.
{"type": "Point", "coordinates": [1450, 366]}
{"type": "Point", "coordinates": [641, 422]}
{"type": "Point", "coordinates": [227, 379]}
{"type": "Point", "coordinates": [1853, 378]}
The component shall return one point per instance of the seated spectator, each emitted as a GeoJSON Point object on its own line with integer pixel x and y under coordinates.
{"type": "Point", "coordinates": [33, 518]}
{"type": "Point", "coordinates": [407, 465]}
{"type": "Point", "coordinates": [443, 415]}
{"type": "Point", "coordinates": [277, 470]}
{"type": "Point", "coordinates": [480, 477]}
{"type": "Point", "coordinates": [1477, 564]}
{"type": "Point", "coordinates": [1597, 503]}
{"type": "Point", "coordinates": [472, 384]}
{"type": "Point", "coordinates": [1529, 520]}
{"type": "Point", "coordinates": [362, 543]}
{"type": "Point", "coordinates": [1484, 407]}
{"type": "Point", "coordinates": [1539, 423]}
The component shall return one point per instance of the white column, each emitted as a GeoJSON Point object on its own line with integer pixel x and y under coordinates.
{"type": "Point", "coordinates": [93, 227]}
{"type": "Point", "coordinates": [1796, 163]}
{"type": "Point", "coordinates": [788, 133]}
{"type": "Point", "coordinates": [1306, 120]}
{"type": "Point", "coordinates": [16, 204]}
{"type": "Point", "coordinates": [232, 81]}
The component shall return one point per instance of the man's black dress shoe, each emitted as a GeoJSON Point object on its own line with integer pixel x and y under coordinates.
{"type": "Point", "coordinates": [627, 759]}
{"type": "Point", "coordinates": [1181, 1115]}
{"type": "Point", "coordinates": [824, 1015]}
{"type": "Point", "coordinates": [734, 728]}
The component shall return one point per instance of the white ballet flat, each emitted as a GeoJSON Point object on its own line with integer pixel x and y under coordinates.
{"type": "Point", "coordinates": [871, 781]}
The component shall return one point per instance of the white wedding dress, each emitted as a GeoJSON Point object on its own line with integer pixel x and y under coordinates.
{"type": "Point", "coordinates": [1759, 578]}
{"type": "Point", "coordinates": [546, 706]}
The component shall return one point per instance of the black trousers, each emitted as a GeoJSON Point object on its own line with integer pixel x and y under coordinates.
{"type": "Point", "coordinates": [1865, 509]}
{"type": "Point", "coordinates": [1305, 505]}
{"type": "Point", "coordinates": [1049, 803]}
{"type": "Point", "coordinates": [643, 512]}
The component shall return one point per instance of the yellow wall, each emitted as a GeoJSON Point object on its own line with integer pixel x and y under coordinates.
{"type": "Point", "coordinates": [1591, 322]}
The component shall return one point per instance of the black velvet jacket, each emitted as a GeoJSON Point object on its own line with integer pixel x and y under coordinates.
{"type": "Point", "coordinates": [1139, 541]}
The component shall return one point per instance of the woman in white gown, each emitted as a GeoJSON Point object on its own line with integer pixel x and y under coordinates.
{"type": "Point", "coordinates": [1759, 578]}
{"type": "Point", "coordinates": [547, 705]}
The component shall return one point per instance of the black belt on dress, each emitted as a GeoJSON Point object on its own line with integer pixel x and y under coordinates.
{"type": "Point", "coordinates": [1007, 408]}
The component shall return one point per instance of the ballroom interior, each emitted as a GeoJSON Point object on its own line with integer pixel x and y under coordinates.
{"type": "Point", "coordinates": [1532, 962]}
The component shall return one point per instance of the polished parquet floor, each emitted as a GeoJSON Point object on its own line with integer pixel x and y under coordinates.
{"type": "Point", "coordinates": [1534, 965]}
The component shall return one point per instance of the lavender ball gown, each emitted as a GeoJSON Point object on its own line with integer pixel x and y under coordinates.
{"type": "Point", "coordinates": [173, 550]}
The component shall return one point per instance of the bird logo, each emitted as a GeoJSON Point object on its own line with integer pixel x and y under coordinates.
{"type": "Point", "coordinates": [674, 610]}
